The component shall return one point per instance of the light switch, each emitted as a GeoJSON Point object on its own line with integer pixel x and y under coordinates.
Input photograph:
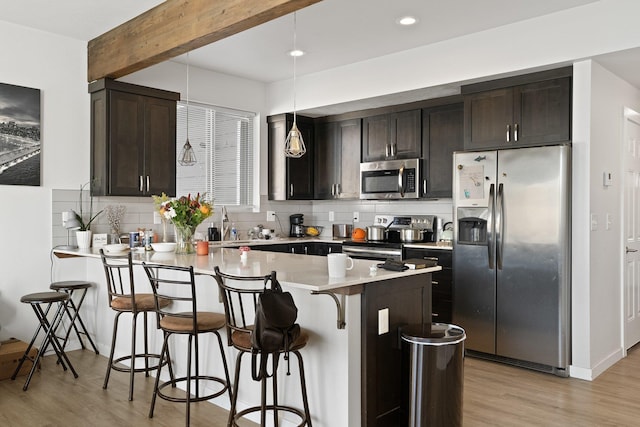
{"type": "Point", "coordinates": [594, 222]}
{"type": "Point", "coordinates": [356, 216]}
{"type": "Point", "coordinates": [607, 179]}
{"type": "Point", "coordinates": [331, 216]}
{"type": "Point", "coordinates": [383, 321]}
{"type": "Point", "coordinates": [609, 222]}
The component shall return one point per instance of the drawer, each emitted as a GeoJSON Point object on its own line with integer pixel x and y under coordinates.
{"type": "Point", "coordinates": [444, 257]}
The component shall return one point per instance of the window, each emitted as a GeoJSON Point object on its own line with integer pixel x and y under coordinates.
{"type": "Point", "coordinates": [223, 141]}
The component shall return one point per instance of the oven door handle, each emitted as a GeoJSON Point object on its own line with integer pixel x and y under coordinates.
{"type": "Point", "coordinates": [391, 252]}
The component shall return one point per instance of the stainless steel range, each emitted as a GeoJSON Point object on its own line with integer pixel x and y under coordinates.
{"type": "Point", "coordinates": [396, 230]}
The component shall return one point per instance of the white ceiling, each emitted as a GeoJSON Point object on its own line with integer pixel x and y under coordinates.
{"type": "Point", "coordinates": [332, 32]}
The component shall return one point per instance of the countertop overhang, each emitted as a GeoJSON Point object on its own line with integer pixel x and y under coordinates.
{"type": "Point", "coordinates": [308, 272]}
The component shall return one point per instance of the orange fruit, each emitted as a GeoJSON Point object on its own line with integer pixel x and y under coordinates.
{"type": "Point", "coordinates": [358, 234]}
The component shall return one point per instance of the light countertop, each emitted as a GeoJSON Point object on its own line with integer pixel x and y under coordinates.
{"type": "Point", "coordinates": [307, 272]}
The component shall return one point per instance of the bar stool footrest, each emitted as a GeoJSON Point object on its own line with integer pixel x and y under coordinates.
{"type": "Point", "coordinates": [152, 367]}
{"type": "Point", "coordinates": [270, 409]}
{"type": "Point", "coordinates": [197, 379]}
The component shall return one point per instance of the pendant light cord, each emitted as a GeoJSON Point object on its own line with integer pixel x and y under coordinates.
{"type": "Point", "coordinates": [187, 96]}
{"type": "Point", "coordinates": [295, 56]}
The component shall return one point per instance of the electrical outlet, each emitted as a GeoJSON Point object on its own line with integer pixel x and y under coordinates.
{"type": "Point", "coordinates": [271, 216]}
{"type": "Point", "coordinates": [332, 216]}
{"type": "Point", "coordinates": [356, 216]}
{"type": "Point", "coordinates": [383, 321]}
{"type": "Point", "coordinates": [156, 218]}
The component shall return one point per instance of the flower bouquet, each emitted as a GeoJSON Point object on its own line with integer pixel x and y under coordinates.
{"type": "Point", "coordinates": [186, 213]}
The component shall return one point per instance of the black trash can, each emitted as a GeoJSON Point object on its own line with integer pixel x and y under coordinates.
{"type": "Point", "coordinates": [433, 359]}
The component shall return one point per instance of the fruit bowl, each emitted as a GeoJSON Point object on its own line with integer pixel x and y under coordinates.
{"type": "Point", "coordinates": [313, 230]}
{"type": "Point", "coordinates": [164, 246]}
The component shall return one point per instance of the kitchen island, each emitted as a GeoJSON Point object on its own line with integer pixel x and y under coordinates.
{"type": "Point", "coordinates": [353, 357]}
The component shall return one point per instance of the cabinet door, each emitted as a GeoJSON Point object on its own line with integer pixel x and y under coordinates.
{"type": "Point", "coordinates": [160, 147]}
{"type": "Point", "coordinates": [289, 179]}
{"type": "Point", "coordinates": [300, 171]}
{"type": "Point", "coordinates": [488, 117]}
{"type": "Point", "coordinates": [442, 134]}
{"type": "Point", "coordinates": [543, 112]}
{"type": "Point", "coordinates": [126, 144]}
{"type": "Point", "coordinates": [350, 136]}
{"type": "Point", "coordinates": [406, 134]}
{"type": "Point", "coordinates": [376, 138]}
{"type": "Point", "coordinates": [441, 281]}
{"type": "Point", "coordinates": [327, 160]}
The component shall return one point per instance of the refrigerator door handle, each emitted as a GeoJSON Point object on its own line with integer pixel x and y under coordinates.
{"type": "Point", "coordinates": [499, 225]}
{"type": "Point", "coordinates": [491, 242]}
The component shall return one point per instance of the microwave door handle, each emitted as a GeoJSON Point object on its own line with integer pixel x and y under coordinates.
{"type": "Point", "coordinates": [400, 184]}
{"type": "Point", "coordinates": [491, 242]}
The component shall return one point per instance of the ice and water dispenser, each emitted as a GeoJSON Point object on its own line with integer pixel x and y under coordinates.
{"type": "Point", "coordinates": [472, 226]}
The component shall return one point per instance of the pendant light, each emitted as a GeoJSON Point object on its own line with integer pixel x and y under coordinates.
{"type": "Point", "coordinates": [187, 155]}
{"type": "Point", "coordinates": [294, 144]}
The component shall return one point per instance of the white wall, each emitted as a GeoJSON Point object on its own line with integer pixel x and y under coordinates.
{"type": "Point", "coordinates": [57, 66]}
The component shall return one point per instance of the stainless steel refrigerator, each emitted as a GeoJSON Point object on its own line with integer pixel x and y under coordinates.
{"type": "Point", "coordinates": [511, 257]}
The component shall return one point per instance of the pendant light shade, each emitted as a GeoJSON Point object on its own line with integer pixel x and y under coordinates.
{"type": "Point", "coordinates": [187, 155]}
{"type": "Point", "coordinates": [294, 144]}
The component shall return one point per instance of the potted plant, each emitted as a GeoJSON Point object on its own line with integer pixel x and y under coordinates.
{"type": "Point", "coordinates": [83, 235]}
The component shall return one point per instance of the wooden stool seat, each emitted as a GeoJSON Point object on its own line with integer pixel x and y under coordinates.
{"type": "Point", "coordinates": [73, 309]}
{"type": "Point", "coordinates": [37, 300]}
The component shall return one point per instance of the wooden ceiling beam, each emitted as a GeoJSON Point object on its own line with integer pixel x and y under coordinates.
{"type": "Point", "coordinates": [176, 27]}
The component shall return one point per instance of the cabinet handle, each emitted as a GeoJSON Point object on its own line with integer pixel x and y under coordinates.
{"type": "Point", "coordinates": [394, 150]}
{"type": "Point", "coordinates": [435, 315]}
{"type": "Point", "coordinates": [386, 150]}
{"type": "Point", "coordinates": [141, 184]}
{"type": "Point", "coordinates": [333, 190]}
{"type": "Point", "coordinates": [290, 190]}
{"type": "Point", "coordinates": [435, 282]}
{"type": "Point", "coordinates": [293, 250]}
{"type": "Point", "coordinates": [515, 132]}
{"type": "Point", "coordinates": [424, 187]}
{"type": "Point", "coordinates": [148, 182]}
{"type": "Point", "coordinates": [337, 189]}
{"type": "Point", "coordinates": [306, 251]}
{"type": "Point", "coordinates": [508, 133]}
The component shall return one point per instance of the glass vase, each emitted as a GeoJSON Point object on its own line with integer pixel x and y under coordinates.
{"type": "Point", "coordinates": [184, 239]}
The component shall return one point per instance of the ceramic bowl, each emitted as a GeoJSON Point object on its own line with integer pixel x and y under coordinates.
{"type": "Point", "coordinates": [115, 247]}
{"type": "Point", "coordinates": [164, 246]}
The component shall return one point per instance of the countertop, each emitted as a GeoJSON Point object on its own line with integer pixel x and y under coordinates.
{"type": "Point", "coordinates": [445, 245]}
{"type": "Point", "coordinates": [306, 272]}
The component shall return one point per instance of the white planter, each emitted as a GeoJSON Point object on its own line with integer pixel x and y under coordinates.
{"type": "Point", "coordinates": [84, 239]}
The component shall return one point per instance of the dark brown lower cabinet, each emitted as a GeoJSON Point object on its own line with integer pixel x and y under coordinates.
{"type": "Point", "coordinates": [408, 301]}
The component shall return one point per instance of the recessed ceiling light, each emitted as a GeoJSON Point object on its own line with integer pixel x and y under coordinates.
{"type": "Point", "coordinates": [407, 20]}
{"type": "Point", "coordinates": [296, 52]}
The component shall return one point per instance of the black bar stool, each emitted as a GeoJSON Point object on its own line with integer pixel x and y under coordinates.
{"type": "Point", "coordinates": [73, 309]}
{"type": "Point", "coordinates": [240, 296]}
{"type": "Point", "coordinates": [123, 298]}
{"type": "Point", "coordinates": [37, 300]}
{"type": "Point", "coordinates": [183, 317]}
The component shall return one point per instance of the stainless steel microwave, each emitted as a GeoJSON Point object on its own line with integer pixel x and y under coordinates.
{"type": "Point", "coordinates": [390, 179]}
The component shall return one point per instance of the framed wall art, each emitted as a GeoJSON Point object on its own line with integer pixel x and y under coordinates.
{"type": "Point", "coordinates": [20, 144]}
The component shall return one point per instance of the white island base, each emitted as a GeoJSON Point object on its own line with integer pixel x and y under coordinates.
{"type": "Point", "coordinates": [333, 358]}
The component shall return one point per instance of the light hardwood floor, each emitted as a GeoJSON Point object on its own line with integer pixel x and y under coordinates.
{"type": "Point", "coordinates": [494, 395]}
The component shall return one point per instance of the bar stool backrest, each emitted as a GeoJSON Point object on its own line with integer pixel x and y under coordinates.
{"type": "Point", "coordinates": [119, 272]}
{"type": "Point", "coordinates": [175, 284]}
{"type": "Point", "coordinates": [240, 298]}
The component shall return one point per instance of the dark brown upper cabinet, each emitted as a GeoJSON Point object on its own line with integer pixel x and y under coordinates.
{"type": "Point", "coordinates": [533, 113]}
{"type": "Point", "coordinates": [442, 134]}
{"type": "Point", "coordinates": [289, 178]}
{"type": "Point", "coordinates": [337, 159]}
{"type": "Point", "coordinates": [391, 136]}
{"type": "Point", "coordinates": [133, 139]}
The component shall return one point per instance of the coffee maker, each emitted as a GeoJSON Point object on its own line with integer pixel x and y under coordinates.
{"type": "Point", "coordinates": [297, 229]}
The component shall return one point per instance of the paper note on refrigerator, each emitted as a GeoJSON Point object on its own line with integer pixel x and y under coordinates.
{"type": "Point", "coordinates": [471, 182]}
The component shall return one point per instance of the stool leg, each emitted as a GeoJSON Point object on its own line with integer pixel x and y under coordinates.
{"type": "Point", "coordinates": [189, 374]}
{"type": "Point", "coordinates": [224, 364]}
{"type": "Point", "coordinates": [113, 349]}
{"type": "Point", "coordinates": [234, 398]}
{"type": "Point", "coordinates": [53, 339]}
{"type": "Point", "coordinates": [303, 386]}
{"type": "Point", "coordinates": [133, 353]}
{"type": "Point", "coordinates": [274, 384]}
{"type": "Point", "coordinates": [76, 316]}
{"type": "Point", "coordinates": [165, 350]}
{"type": "Point", "coordinates": [146, 346]}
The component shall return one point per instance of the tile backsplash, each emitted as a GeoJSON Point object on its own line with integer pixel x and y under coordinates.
{"type": "Point", "coordinates": [139, 213]}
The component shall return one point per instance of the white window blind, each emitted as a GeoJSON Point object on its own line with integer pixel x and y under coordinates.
{"type": "Point", "coordinates": [223, 143]}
